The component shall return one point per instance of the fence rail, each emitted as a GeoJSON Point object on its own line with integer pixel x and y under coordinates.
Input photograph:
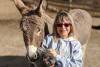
{"type": "Point", "coordinates": [55, 6]}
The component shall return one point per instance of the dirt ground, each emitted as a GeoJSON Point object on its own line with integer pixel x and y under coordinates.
{"type": "Point", "coordinates": [12, 49]}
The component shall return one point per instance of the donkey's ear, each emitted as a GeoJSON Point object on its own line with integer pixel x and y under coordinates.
{"type": "Point", "coordinates": [20, 5]}
{"type": "Point", "coordinates": [39, 9]}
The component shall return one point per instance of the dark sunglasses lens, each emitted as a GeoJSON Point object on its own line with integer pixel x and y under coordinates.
{"type": "Point", "coordinates": [66, 25]}
{"type": "Point", "coordinates": [59, 25]}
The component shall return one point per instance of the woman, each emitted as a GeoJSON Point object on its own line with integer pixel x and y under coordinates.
{"type": "Point", "coordinates": [62, 44]}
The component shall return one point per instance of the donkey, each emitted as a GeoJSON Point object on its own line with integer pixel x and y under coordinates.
{"type": "Point", "coordinates": [35, 24]}
{"type": "Point", "coordinates": [83, 24]}
{"type": "Point", "coordinates": [34, 27]}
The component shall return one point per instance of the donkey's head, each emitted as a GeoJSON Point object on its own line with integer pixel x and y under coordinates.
{"type": "Point", "coordinates": [32, 24]}
{"type": "Point", "coordinates": [34, 28]}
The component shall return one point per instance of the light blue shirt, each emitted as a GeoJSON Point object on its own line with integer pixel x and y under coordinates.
{"type": "Point", "coordinates": [69, 51]}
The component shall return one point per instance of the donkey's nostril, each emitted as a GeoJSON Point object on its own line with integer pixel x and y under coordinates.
{"type": "Point", "coordinates": [35, 56]}
{"type": "Point", "coordinates": [32, 51]}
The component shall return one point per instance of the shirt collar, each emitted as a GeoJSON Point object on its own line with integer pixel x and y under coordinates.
{"type": "Point", "coordinates": [68, 39]}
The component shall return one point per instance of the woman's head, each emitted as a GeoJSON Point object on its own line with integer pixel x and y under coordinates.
{"type": "Point", "coordinates": [63, 25]}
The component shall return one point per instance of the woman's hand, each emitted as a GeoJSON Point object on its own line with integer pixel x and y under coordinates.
{"type": "Point", "coordinates": [52, 51]}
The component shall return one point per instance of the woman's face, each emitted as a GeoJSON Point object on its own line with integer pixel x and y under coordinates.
{"type": "Point", "coordinates": [63, 28]}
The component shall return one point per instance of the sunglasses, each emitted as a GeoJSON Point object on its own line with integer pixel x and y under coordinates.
{"type": "Point", "coordinates": [65, 24]}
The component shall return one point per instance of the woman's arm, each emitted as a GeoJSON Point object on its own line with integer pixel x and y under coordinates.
{"type": "Point", "coordinates": [75, 59]}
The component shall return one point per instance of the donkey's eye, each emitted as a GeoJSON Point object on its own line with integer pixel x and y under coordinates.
{"type": "Point", "coordinates": [38, 29]}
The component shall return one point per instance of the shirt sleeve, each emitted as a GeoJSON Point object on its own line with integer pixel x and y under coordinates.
{"type": "Point", "coordinates": [46, 41]}
{"type": "Point", "coordinates": [75, 59]}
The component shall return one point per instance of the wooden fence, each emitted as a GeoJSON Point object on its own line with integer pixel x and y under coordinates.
{"type": "Point", "coordinates": [56, 5]}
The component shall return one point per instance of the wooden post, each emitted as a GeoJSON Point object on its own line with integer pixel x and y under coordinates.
{"type": "Point", "coordinates": [70, 4]}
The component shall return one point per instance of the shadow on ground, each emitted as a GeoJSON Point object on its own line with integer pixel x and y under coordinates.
{"type": "Point", "coordinates": [13, 61]}
{"type": "Point", "coordinates": [96, 27]}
